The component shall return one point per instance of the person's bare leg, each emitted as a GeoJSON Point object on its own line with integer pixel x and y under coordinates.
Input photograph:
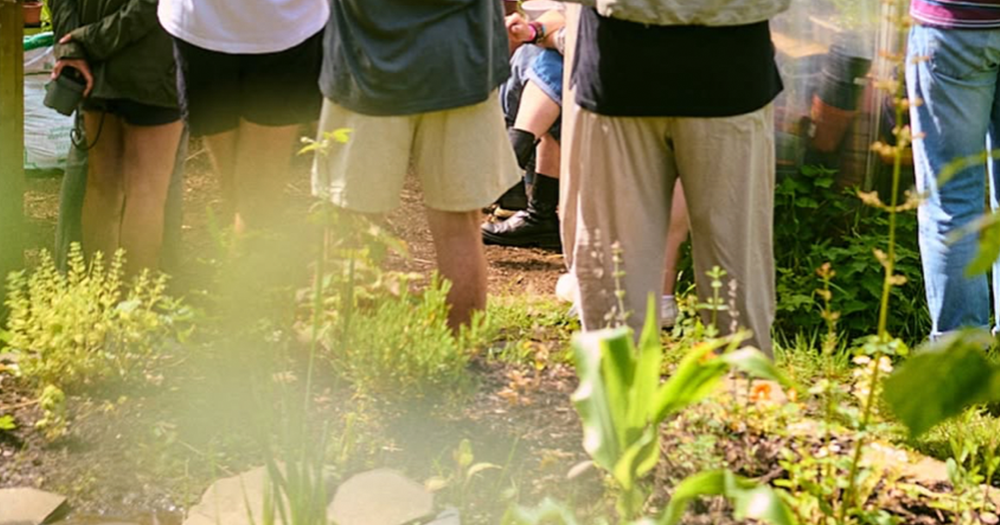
{"type": "Point", "coordinates": [537, 112]}
{"type": "Point", "coordinates": [548, 153]}
{"type": "Point", "coordinates": [222, 150]}
{"type": "Point", "coordinates": [460, 259]}
{"type": "Point", "coordinates": [105, 194]}
{"type": "Point", "coordinates": [676, 236]}
{"type": "Point", "coordinates": [149, 156]}
{"type": "Point", "coordinates": [263, 158]}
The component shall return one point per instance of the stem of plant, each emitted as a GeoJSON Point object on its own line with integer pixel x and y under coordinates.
{"type": "Point", "coordinates": [317, 306]}
{"type": "Point", "coordinates": [901, 143]}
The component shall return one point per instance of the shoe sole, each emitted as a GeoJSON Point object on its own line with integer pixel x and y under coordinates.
{"type": "Point", "coordinates": [496, 240]}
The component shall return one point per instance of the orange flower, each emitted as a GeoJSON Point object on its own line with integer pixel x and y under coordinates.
{"type": "Point", "coordinates": [760, 392]}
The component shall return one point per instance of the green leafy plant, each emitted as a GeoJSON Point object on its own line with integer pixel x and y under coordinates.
{"type": "Point", "coordinates": [86, 327]}
{"type": "Point", "coordinates": [54, 422]}
{"type": "Point", "coordinates": [401, 347]}
{"type": "Point", "coordinates": [621, 401]}
{"type": "Point", "coordinates": [961, 373]}
{"type": "Point", "coordinates": [458, 479]}
{"type": "Point", "coordinates": [817, 223]}
{"type": "Point", "coordinates": [750, 499]}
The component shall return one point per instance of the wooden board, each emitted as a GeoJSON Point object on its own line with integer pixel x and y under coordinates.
{"type": "Point", "coordinates": [12, 181]}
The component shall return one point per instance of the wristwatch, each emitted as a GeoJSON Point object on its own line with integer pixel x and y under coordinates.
{"type": "Point", "coordinates": [539, 32]}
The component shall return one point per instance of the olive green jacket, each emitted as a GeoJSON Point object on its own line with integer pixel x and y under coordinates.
{"type": "Point", "coordinates": [689, 12]}
{"type": "Point", "coordinates": [130, 55]}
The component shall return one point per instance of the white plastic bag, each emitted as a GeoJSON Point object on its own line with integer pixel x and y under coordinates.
{"type": "Point", "coordinates": [46, 133]}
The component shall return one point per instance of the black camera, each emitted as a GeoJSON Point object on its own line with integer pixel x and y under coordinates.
{"type": "Point", "coordinates": [65, 92]}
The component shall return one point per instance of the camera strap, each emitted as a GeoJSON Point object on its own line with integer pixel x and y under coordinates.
{"type": "Point", "coordinates": [78, 135]}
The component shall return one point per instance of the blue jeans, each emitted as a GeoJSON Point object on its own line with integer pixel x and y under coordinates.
{"type": "Point", "coordinates": [960, 116]}
{"type": "Point", "coordinates": [542, 66]}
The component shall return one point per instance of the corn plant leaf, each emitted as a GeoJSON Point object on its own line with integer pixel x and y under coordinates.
{"type": "Point", "coordinates": [648, 367]}
{"type": "Point", "coordinates": [942, 380]}
{"type": "Point", "coordinates": [750, 500]}
{"type": "Point", "coordinates": [618, 365]}
{"type": "Point", "coordinates": [639, 458]}
{"type": "Point", "coordinates": [600, 435]}
{"type": "Point", "coordinates": [695, 378]}
{"type": "Point", "coordinates": [756, 364]}
{"type": "Point", "coordinates": [989, 246]}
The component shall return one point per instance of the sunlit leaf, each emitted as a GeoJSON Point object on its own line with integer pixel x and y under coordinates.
{"type": "Point", "coordinates": [436, 483]}
{"type": "Point", "coordinates": [600, 438]}
{"type": "Point", "coordinates": [941, 380]}
{"type": "Point", "coordinates": [648, 368]}
{"type": "Point", "coordinates": [960, 164]}
{"type": "Point", "coordinates": [989, 246]}
{"type": "Point", "coordinates": [480, 467]}
{"type": "Point", "coordinates": [463, 454]}
{"type": "Point", "coordinates": [750, 500]}
{"type": "Point", "coordinates": [756, 364]}
{"type": "Point", "coordinates": [548, 512]}
{"type": "Point", "coordinates": [639, 458]}
{"type": "Point", "coordinates": [695, 378]}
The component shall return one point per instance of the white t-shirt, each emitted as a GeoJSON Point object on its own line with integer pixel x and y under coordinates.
{"type": "Point", "coordinates": [244, 26]}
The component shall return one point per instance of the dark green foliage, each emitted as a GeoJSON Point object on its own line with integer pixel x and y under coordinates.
{"type": "Point", "coordinates": [815, 223]}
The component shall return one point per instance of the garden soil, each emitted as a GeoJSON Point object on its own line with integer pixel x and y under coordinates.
{"type": "Point", "coordinates": [133, 458]}
{"type": "Point", "coordinates": [144, 457]}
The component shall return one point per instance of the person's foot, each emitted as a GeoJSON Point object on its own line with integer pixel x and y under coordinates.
{"type": "Point", "coordinates": [668, 311]}
{"type": "Point", "coordinates": [528, 228]}
{"type": "Point", "coordinates": [567, 291]}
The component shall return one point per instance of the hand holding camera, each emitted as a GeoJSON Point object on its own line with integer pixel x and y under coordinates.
{"type": "Point", "coordinates": [71, 82]}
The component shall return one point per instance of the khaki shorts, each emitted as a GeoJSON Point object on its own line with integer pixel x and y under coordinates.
{"type": "Point", "coordinates": [461, 156]}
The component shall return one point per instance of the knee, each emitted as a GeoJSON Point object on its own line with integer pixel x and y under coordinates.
{"type": "Point", "coordinates": [149, 193]}
{"type": "Point", "coordinates": [106, 190]}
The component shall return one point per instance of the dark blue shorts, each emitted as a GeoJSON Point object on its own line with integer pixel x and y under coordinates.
{"type": "Point", "coordinates": [544, 67]}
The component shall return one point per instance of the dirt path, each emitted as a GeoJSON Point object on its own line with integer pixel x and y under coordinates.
{"type": "Point", "coordinates": [511, 270]}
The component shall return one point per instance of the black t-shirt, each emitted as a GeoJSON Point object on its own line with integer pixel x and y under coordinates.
{"type": "Point", "coordinates": [630, 69]}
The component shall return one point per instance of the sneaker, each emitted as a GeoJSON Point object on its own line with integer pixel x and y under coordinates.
{"type": "Point", "coordinates": [566, 288]}
{"type": "Point", "coordinates": [567, 291]}
{"type": "Point", "coordinates": [668, 311]}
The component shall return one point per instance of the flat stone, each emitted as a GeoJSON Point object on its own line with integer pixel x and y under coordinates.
{"type": "Point", "coordinates": [225, 501]}
{"type": "Point", "coordinates": [380, 497]}
{"type": "Point", "coordinates": [28, 506]}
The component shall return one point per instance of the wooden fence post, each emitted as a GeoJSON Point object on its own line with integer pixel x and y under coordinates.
{"type": "Point", "coordinates": [12, 183]}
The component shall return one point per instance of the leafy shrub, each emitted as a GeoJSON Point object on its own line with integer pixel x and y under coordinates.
{"type": "Point", "coordinates": [83, 329]}
{"type": "Point", "coordinates": [401, 346]}
{"type": "Point", "coordinates": [816, 223]}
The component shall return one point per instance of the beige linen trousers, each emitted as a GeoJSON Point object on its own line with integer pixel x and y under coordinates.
{"type": "Point", "coordinates": [617, 180]}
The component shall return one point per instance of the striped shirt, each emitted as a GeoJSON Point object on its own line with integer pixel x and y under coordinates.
{"type": "Point", "coordinates": [959, 14]}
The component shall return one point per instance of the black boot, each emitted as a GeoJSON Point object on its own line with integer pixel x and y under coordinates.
{"type": "Point", "coordinates": [524, 143]}
{"type": "Point", "coordinates": [536, 226]}
{"type": "Point", "coordinates": [514, 199]}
